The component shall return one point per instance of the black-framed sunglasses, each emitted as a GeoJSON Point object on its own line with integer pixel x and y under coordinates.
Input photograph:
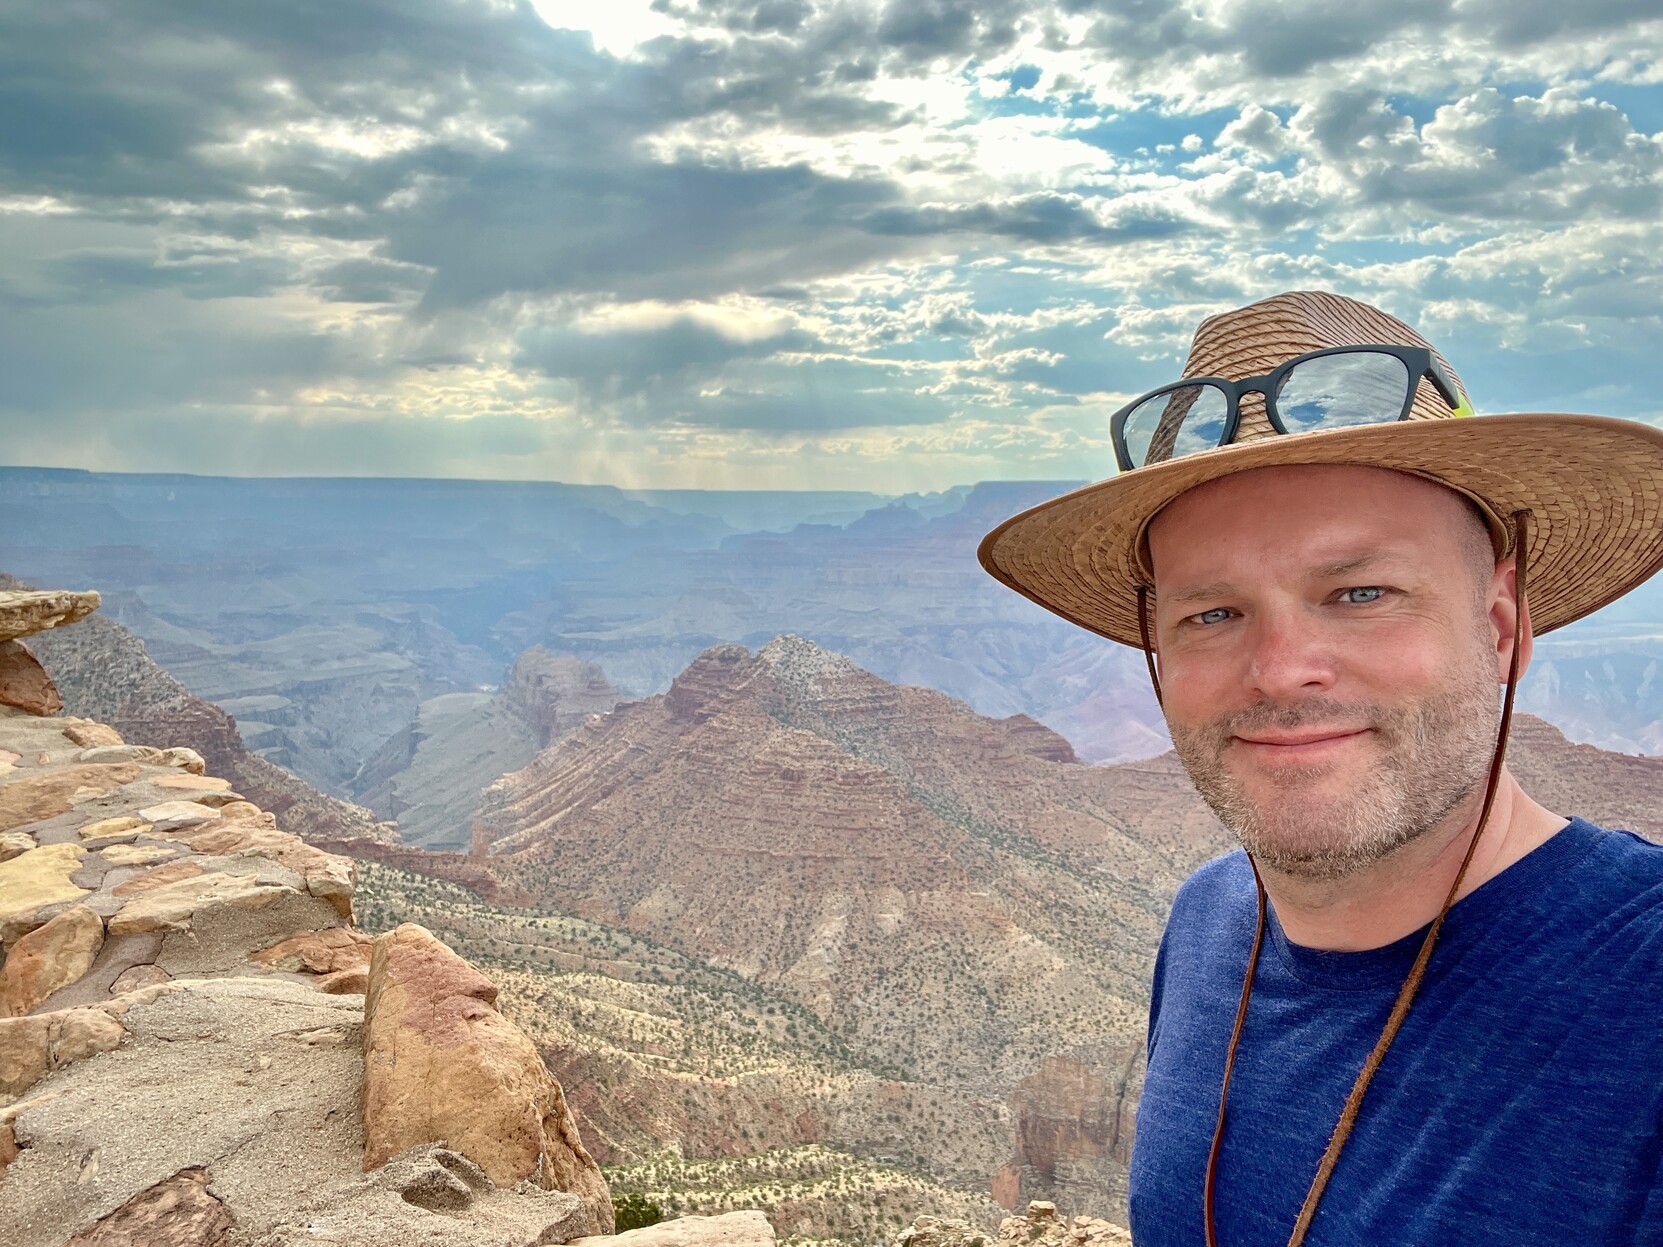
{"type": "Point", "coordinates": [1335, 388]}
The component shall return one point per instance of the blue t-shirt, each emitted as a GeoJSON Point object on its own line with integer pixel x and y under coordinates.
{"type": "Point", "coordinates": [1520, 1105]}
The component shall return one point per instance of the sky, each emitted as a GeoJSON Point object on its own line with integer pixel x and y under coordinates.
{"type": "Point", "coordinates": [786, 244]}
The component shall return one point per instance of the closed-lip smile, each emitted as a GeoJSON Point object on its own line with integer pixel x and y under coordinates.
{"type": "Point", "coordinates": [1295, 740]}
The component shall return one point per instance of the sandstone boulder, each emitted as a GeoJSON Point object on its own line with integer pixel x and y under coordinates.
{"type": "Point", "coordinates": [123, 827]}
{"type": "Point", "coordinates": [173, 815]}
{"type": "Point", "coordinates": [172, 905]}
{"type": "Point", "coordinates": [90, 734]}
{"type": "Point", "coordinates": [24, 612]}
{"type": "Point", "coordinates": [180, 1212]}
{"type": "Point", "coordinates": [731, 1229]}
{"type": "Point", "coordinates": [24, 682]}
{"type": "Point", "coordinates": [271, 1070]}
{"type": "Point", "coordinates": [49, 957]}
{"type": "Point", "coordinates": [33, 1047]}
{"type": "Point", "coordinates": [135, 977]}
{"type": "Point", "coordinates": [339, 956]}
{"type": "Point", "coordinates": [441, 1063]}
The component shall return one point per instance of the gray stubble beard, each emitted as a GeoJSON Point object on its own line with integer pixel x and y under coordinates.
{"type": "Point", "coordinates": [1434, 756]}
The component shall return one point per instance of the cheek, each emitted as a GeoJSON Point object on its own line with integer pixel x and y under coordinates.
{"type": "Point", "coordinates": [1196, 691]}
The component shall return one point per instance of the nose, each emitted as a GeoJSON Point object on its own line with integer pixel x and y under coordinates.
{"type": "Point", "coordinates": [1289, 658]}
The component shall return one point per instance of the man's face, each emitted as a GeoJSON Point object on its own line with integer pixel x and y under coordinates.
{"type": "Point", "coordinates": [1328, 642]}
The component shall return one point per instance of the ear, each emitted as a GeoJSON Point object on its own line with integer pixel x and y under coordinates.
{"type": "Point", "coordinates": [1504, 612]}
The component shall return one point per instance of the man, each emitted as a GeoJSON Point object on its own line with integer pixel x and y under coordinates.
{"type": "Point", "coordinates": [1417, 1007]}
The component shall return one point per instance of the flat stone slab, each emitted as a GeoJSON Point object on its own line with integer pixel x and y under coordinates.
{"type": "Point", "coordinates": [172, 815]}
{"type": "Point", "coordinates": [24, 612]}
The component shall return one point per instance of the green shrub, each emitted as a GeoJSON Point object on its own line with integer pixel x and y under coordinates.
{"type": "Point", "coordinates": [631, 1212]}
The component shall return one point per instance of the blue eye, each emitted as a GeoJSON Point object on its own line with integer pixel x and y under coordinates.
{"type": "Point", "coordinates": [1217, 615]}
{"type": "Point", "coordinates": [1363, 594]}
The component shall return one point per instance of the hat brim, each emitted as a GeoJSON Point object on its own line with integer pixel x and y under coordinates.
{"type": "Point", "coordinates": [1593, 485]}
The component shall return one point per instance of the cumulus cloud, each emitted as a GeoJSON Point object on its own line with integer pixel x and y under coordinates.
{"type": "Point", "coordinates": [783, 236]}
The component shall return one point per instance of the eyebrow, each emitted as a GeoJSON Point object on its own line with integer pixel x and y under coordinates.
{"type": "Point", "coordinates": [1202, 593]}
{"type": "Point", "coordinates": [1336, 570]}
{"type": "Point", "coordinates": [1345, 567]}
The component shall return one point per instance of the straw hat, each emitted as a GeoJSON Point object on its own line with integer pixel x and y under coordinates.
{"type": "Point", "coordinates": [1593, 484]}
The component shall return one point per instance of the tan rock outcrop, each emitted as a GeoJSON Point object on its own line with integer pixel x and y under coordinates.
{"type": "Point", "coordinates": [24, 612]}
{"type": "Point", "coordinates": [24, 682]}
{"type": "Point", "coordinates": [244, 829]}
{"type": "Point", "coordinates": [111, 828]}
{"type": "Point", "coordinates": [33, 880]}
{"type": "Point", "coordinates": [49, 957]}
{"type": "Point", "coordinates": [173, 815]}
{"type": "Point", "coordinates": [32, 1047]}
{"type": "Point", "coordinates": [90, 734]}
{"type": "Point", "coordinates": [28, 798]}
{"type": "Point", "coordinates": [749, 1228]}
{"type": "Point", "coordinates": [180, 1212]}
{"type": "Point", "coordinates": [339, 956]}
{"type": "Point", "coordinates": [441, 1063]}
{"type": "Point", "coordinates": [942, 1232]}
{"type": "Point", "coordinates": [1040, 1227]}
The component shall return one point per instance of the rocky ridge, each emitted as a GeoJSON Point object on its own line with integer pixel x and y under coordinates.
{"type": "Point", "coordinates": [1040, 1226]}
{"type": "Point", "coordinates": [105, 673]}
{"type": "Point", "coordinates": [962, 905]}
{"type": "Point", "coordinates": [185, 1052]}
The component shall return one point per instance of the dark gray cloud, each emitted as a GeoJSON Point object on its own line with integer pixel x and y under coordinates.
{"type": "Point", "coordinates": [369, 281]}
{"type": "Point", "coordinates": [1041, 218]}
{"type": "Point", "coordinates": [625, 363]}
{"type": "Point", "coordinates": [301, 215]}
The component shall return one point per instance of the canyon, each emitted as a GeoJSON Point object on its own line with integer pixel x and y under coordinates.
{"type": "Point", "coordinates": [793, 848]}
{"type": "Point", "coordinates": [199, 1046]}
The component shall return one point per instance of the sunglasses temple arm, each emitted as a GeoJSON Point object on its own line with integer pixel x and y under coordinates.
{"type": "Point", "coordinates": [1445, 384]}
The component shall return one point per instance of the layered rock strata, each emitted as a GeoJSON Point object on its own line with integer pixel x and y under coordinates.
{"type": "Point", "coordinates": [183, 1042]}
{"type": "Point", "coordinates": [24, 683]}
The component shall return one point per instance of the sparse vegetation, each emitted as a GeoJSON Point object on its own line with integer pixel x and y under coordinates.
{"type": "Point", "coordinates": [631, 1211]}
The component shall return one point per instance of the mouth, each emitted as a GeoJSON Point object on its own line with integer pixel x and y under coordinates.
{"type": "Point", "coordinates": [1301, 746]}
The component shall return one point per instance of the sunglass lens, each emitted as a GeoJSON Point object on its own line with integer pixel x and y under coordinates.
{"type": "Point", "coordinates": [1334, 391]}
{"type": "Point", "coordinates": [1175, 423]}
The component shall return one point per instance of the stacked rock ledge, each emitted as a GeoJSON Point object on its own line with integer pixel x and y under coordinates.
{"type": "Point", "coordinates": [185, 1055]}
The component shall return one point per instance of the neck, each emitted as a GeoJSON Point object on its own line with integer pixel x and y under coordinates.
{"type": "Point", "coordinates": [1404, 892]}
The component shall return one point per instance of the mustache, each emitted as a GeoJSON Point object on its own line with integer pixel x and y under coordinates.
{"type": "Point", "coordinates": [1324, 712]}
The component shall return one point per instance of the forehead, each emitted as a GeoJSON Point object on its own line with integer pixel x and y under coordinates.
{"type": "Point", "coordinates": [1297, 513]}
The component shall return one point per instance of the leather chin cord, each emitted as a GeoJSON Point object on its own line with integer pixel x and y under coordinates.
{"type": "Point", "coordinates": [1411, 984]}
